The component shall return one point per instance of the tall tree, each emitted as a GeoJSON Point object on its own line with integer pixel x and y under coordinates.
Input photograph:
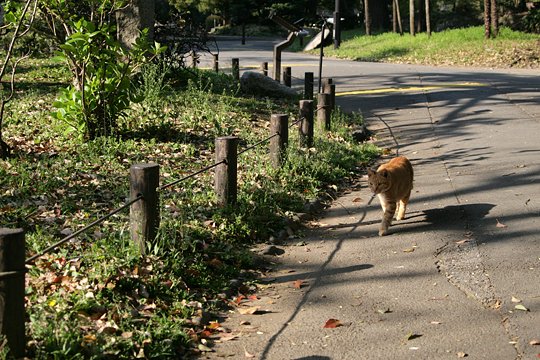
{"type": "Point", "coordinates": [428, 19]}
{"type": "Point", "coordinates": [494, 19]}
{"type": "Point", "coordinates": [397, 16]}
{"type": "Point", "coordinates": [367, 17]}
{"type": "Point", "coordinates": [411, 17]}
{"type": "Point", "coordinates": [487, 19]}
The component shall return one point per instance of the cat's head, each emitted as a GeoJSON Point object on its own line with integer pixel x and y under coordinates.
{"type": "Point", "coordinates": [378, 181]}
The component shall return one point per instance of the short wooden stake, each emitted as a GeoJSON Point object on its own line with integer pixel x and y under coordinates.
{"type": "Point", "coordinates": [216, 62]}
{"type": "Point", "coordinates": [330, 88]}
{"type": "Point", "coordinates": [308, 86]}
{"type": "Point", "coordinates": [194, 59]}
{"type": "Point", "coordinates": [287, 76]}
{"type": "Point", "coordinates": [236, 69]}
{"type": "Point", "coordinates": [323, 111]}
{"type": "Point", "coordinates": [225, 175]}
{"type": "Point", "coordinates": [279, 124]}
{"type": "Point", "coordinates": [306, 123]}
{"type": "Point", "coordinates": [264, 68]}
{"type": "Point", "coordinates": [12, 270]}
{"type": "Point", "coordinates": [144, 214]}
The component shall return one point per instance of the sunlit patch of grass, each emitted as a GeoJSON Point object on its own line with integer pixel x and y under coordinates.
{"type": "Point", "coordinates": [458, 47]}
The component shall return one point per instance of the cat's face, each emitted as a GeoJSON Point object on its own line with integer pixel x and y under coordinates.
{"type": "Point", "coordinates": [378, 181]}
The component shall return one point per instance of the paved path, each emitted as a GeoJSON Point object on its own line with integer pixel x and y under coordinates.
{"type": "Point", "coordinates": [445, 283]}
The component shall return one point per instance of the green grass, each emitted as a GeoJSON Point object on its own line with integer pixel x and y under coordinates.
{"type": "Point", "coordinates": [456, 47]}
{"type": "Point", "coordinates": [94, 297]}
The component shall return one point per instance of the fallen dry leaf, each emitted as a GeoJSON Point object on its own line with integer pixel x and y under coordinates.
{"type": "Point", "coordinates": [461, 242]}
{"type": "Point", "coordinates": [298, 284]}
{"type": "Point", "coordinates": [500, 224]}
{"type": "Point", "coordinates": [515, 300]}
{"type": "Point", "coordinates": [521, 307]}
{"type": "Point", "coordinates": [204, 348]}
{"type": "Point", "coordinates": [412, 336]}
{"type": "Point", "coordinates": [534, 342]}
{"type": "Point", "coordinates": [248, 355]}
{"type": "Point", "coordinates": [227, 337]}
{"type": "Point", "coordinates": [461, 354]}
{"type": "Point", "coordinates": [332, 324]}
{"type": "Point", "coordinates": [409, 250]}
{"type": "Point", "coordinates": [249, 311]}
{"type": "Point", "coordinates": [436, 322]}
{"type": "Point", "coordinates": [357, 200]}
{"type": "Point", "coordinates": [213, 325]}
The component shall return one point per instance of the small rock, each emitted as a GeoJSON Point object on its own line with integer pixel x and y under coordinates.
{"type": "Point", "coordinates": [361, 134]}
{"type": "Point", "coordinates": [235, 283]}
{"type": "Point", "coordinates": [304, 217]}
{"type": "Point", "coordinates": [283, 235]}
{"type": "Point", "coordinates": [314, 206]}
{"type": "Point", "coordinates": [273, 250]}
{"type": "Point", "coordinates": [254, 83]}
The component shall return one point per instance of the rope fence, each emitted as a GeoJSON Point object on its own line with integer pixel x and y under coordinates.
{"type": "Point", "coordinates": [144, 202]}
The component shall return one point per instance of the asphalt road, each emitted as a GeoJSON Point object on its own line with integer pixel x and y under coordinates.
{"type": "Point", "coordinates": [446, 282]}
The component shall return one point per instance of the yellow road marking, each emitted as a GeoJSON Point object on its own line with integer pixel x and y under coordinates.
{"type": "Point", "coordinates": [409, 89]}
{"type": "Point", "coordinates": [270, 65]}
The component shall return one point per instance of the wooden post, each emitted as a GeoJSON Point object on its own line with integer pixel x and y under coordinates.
{"type": "Point", "coordinates": [323, 111]}
{"type": "Point", "coordinates": [225, 176]}
{"type": "Point", "coordinates": [306, 123]}
{"type": "Point", "coordinates": [330, 88]}
{"type": "Point", "coordinates": [264, 68]}
{"type": "Point", "coordinates": [279, 124]}
{"type": "Point", "coordinates": [236, 69]}
{"type": "Point", "coordinates": [216, 62]}
{"type": "Point", "coordinates": [144, 214]}
{"type": "Point", "coordinates": [193, 59]}
{"type": "Point", "coordinates": [12, 270]}
{"type": "Point", "coordinates": [308, 86]}
{"type": "Point", "coordinates": [287, 76]}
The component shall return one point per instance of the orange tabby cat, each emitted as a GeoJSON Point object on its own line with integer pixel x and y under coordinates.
{"type": "Point", "coordinates": [392, 182]}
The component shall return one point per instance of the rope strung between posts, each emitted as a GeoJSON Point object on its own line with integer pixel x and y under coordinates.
{"type": "Point", "coordinates": [258, 143]}
{"type": "Point", "coordinates": [76, 233]}
{"type": "Point", "coordinates": [12, 274]}
{"type": "Point", "coordinates": [163, 187]}
{"type": "Point", "coordinates": [297, 122]}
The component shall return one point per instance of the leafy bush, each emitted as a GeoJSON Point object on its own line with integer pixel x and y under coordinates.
{"type": "Point", "coordinates": [102, 89]}
{"type": "Point", "coordinates": [531, 21]}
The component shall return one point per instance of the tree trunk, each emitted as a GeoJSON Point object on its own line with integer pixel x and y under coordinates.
{"type": "Point", "coordinates": [494, 19]}
{"type": "Point", "coordinates": [419, 15]}
{"type": "Point", "coordinates": [398, 13]}
{"type": "Point", "coordinates": [394, 17]}
{"type": "Point", "coordinates": [134, 17]}
{"type": "Point", "coordinates": [367, 17]}
{"type": "Point", "coordinates": [428, 19]}
{"type": "Point", "coordinates": [411, 17]}
{"type": "Point", "coordinates": [487, 19]}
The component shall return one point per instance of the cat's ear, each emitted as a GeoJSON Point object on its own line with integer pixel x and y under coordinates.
{"type": "Point", "coordinates": [384, 173]}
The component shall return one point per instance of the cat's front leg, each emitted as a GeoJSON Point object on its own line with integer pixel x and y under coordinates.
{"type": "Point", "coordinates": [388, 215]}
{"type": "Point", "coordinates": [402, 207]}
